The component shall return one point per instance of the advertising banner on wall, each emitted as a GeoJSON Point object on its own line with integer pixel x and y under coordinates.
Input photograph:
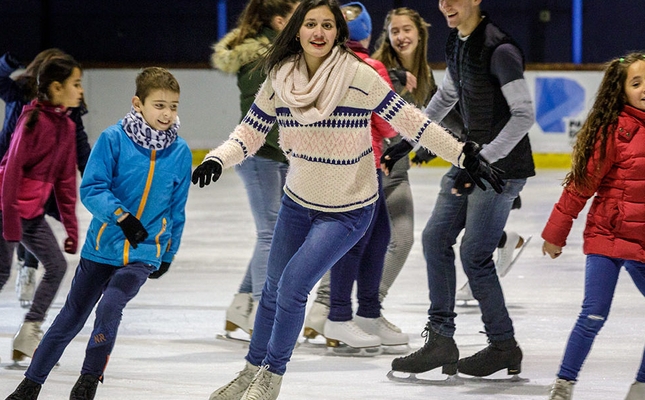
{"type": "Point", "coordinates": [561, 100]}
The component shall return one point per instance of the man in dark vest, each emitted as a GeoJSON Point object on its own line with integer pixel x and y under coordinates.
{"type": "Point", "coordinates": [485, 75]}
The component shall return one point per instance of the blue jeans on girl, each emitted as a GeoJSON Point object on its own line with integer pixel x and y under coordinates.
{"type": "Point", "coordinates": [306, 243]}
{"type": "Point", "coordinates": [601, 276]}
{"type": "Point", "coordinates": [263, 180]}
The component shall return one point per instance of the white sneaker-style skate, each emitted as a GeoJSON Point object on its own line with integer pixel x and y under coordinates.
{"type": "Point", "coordinates": [384, 329]}
{"type": "Point", "coordinates": [636, 391]}
{"type": "Point", "coordinates": [26, 286]}
{"type": "Point", "coordinates": [237, 314]}
{"type": "Point", "coordinates": [252, 314]}
{"type": "Point", "coordinates": [357, 341]}
{"type": "Point", "coordinates": [464, 294]}
{"type": "Point", "coordinates": [26, 340]}
{"type": "Point", "coordinates": [561, 390]}
{"type": "Point", "coordinates": [315, 320]}
{"type": "Point", "coordinates": [264, 386]}
{"type": "Point", "coordinates": [505, 258]}
{"type": "Point", "coordinates": [236, 388]}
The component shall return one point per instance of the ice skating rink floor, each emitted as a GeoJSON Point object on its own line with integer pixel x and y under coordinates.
{"type": "Point", "coordinates": [167, 348]}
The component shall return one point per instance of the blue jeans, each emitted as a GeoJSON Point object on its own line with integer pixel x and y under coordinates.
{"type": "Point", "coordinates": [482, 216]}
{"type": "Point", "coordinates": [114, 287]}
{"type": "Point", "coordinates": [306, 244]}
{"type": "Point", "coordinates": [601, 275]}
{"type": "Point", "coordinates": [264, 181]}
{"type": "Point", "coordinates": [362, 264]}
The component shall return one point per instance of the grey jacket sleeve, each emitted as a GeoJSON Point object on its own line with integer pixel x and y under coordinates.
{"type": "Point", "coordinates": [444, 100]}
{"type": "Point", "coordinates": [507, 67]}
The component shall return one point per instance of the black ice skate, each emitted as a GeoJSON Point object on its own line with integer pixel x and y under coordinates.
{"type": "Point", "coordinates": [497, 356]}
{"type": "Point", "coordinates": [85, 388]}
{"type": "Point", "coordinates": [26, 390]}
{"type": "Point", "coordinates": [438, 351]}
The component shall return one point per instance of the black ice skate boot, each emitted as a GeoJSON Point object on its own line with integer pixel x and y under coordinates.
{"type": "Point", "coordinates": [438, 351]}
{"type": "Point", "coordinates": [497, 356]}
{"type": "Point", "coordinates": [85, 388]}
{"type": "Point", "coordinates": [27, 390]}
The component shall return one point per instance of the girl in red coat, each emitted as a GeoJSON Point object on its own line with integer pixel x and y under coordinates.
{"type": "Point", "coordinates": [41, 159]}
{"type": "Point", "coordinates": [609, 164]}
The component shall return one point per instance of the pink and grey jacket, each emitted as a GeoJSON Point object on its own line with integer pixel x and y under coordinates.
{"type": "Point", "coordinates": [39, 160]}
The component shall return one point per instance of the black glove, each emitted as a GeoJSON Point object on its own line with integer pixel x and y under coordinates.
{"type": "Point", "coordinates": [479, 169]}
{"type": "Point", "coordinates": [464, 185]}
{"type": "Point", "coordinates": [423, 155]}
{"type": "Point", "coordinates": [395, 153]}
{"type": "Point", "coordinates": [133, 230]}
{"type": "Point", "coordinates": [205, 172]}
{"type": "Point", "coordinates": [163, 268]}
{"type": "Point", "coordinates": [12, 61]}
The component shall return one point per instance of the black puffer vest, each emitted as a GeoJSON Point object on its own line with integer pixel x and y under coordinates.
{"type": "Point", "coordinates": [482, 104]}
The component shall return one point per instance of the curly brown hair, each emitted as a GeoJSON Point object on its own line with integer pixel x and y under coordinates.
{"type": "Point", "coordinates": [610, 101]}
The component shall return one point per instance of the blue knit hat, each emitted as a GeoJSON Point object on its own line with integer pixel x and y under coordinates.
{"type": "Point", "coordinates": [361, 27]}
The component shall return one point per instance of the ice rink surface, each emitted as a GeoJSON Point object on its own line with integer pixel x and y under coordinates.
{"type": "Point", "coordinates": [167, 348]}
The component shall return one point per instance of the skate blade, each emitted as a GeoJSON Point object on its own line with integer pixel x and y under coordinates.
{"type": "Point", "coordinates": [232, 339]}
{"type": "Point", "coordinates": [517, 256]}
{"type": "Point", "coordinates": [467, 303]}
{"type": "Point", "coordinates": [451, 380]}
{"type": "Point", "coordinates": [344, 350]}
{"type": "Point", "coordinates": [513, 380]}
{"type": "Point", "coordinates": [396, 349]}
{"type": "Point", "coordinates": [16, 366]}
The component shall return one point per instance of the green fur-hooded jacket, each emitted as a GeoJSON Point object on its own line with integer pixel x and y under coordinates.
{"type": "Point", "coordinates": [241, 60]}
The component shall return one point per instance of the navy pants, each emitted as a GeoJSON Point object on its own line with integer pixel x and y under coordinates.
{"type": "Point", "coordinates": [109, 286]}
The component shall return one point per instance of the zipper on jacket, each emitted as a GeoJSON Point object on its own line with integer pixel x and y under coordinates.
{"type": "Point", "coordinates": [98, 236]}
{"type": "Point", "coordinates": [163, 229]}
{"type": "Point", "coordinates": [142, 204]}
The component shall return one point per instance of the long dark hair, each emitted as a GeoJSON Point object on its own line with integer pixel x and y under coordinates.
{"type": "Point", "coordinates": [259, 13]}
{"type": "Point", "coordinates": [55, 69]}
{"type": "Point", "coordinates": [26, 81]}
{"type": "Point", "coordinates": [610, 101]}
{"type": "Point", "coordinates": [286, 44]}
{"type": "Point", "coordinates": [388, 56]}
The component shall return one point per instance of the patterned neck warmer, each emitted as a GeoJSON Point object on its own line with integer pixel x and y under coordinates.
{"type": "Point", "coordinates": [144, 135]}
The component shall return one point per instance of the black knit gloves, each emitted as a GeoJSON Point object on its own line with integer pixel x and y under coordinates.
{"type": "Point", "coordinates": [163, 268]}
{"type": "Point", "coordinates": [206, 172]}
{"type": "Point", "coordinates": [423, 155]}
{"type": "Point", "coordinates": [463, 185]}
{"type": "Point", "coordinates": [479, 169]}
{"type": "Point", "coordinates": [393, 154]}
{"type": "Point", "coordinates": [133, 230]}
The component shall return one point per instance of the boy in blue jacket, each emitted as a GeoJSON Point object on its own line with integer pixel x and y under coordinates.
{"type": "Point", "coordinates": [136, 186]}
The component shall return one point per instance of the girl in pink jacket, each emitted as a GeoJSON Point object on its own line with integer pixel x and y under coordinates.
{"type": "Point", "coordinates": [608, 164]}
{"type": "Point", "coordinates": [41, 159]}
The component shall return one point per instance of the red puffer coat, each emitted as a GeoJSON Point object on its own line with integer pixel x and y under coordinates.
{"type": "Point", "coordinates": [616, 220]}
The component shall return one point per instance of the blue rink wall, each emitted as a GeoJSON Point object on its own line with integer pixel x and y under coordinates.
{"type": "Point", "coordinates": [209, 107]}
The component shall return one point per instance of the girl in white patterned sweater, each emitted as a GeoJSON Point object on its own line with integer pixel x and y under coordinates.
{"type": "Point", "coordinates": [322, 97]}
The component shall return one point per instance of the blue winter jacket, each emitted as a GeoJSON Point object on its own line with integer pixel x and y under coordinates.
{"type": "Point", "coordinates": [152, 185]}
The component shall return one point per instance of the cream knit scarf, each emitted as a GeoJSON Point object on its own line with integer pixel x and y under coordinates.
{"type": "Point", "coordinates": [314, 100]}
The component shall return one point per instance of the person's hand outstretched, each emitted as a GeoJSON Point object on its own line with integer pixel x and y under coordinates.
{"type": "Point", "coordinates": [478, 168]}
{"type": "Point", "coordinates": [207, 172]}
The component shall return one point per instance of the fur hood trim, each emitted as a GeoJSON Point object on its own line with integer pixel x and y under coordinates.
{"type": "Point", "coordinates": [230, 60]}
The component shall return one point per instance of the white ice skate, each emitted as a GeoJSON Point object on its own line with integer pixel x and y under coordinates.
{"type": "Point", "coordinates": [346, 338]}
{"type": "Point", "coordinates": [505, 258]}
{"type": "Point", "coordinates": [392, 339]}
{"type": "Point", "coordinates": [315, 320]}
{"type": "Point", "coordinates": [237, 317]}
{"type": "Point", "coordinates": [236, 388]}
{"type": "Point", "coordinates": [25, 342]}
{"type": "Point", "coordinates": [464, 296]}
{"type": "Point", "coordinates": [26, 286]}
{"type": "Point", "coordinates": [561, 390]}
{"type": "Point", "coordinates": [264, 386]}
{"type": "Point", "coordinates": [636, 391]}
